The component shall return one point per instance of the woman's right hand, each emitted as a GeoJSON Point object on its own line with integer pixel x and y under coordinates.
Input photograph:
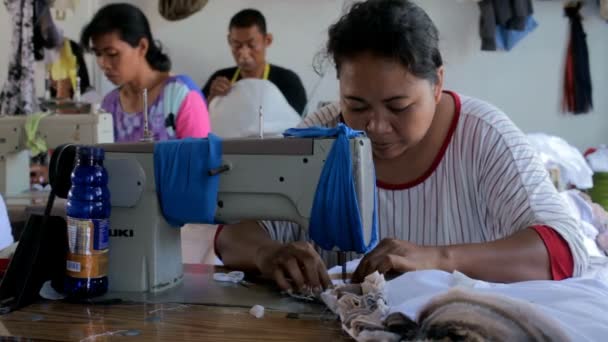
{"type": "Point", "coordinates": [294, 266]}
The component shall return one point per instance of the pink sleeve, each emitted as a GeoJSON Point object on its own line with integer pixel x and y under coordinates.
{"type": "Point", "coordinates": [192, 118]}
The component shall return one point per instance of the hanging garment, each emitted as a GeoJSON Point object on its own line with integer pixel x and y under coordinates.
{"type": "Point", "coordinates": [34, 142]}
{"type": "Point", "coordinates": [187, 192]}
{"type": "Point", "coordinates": [509, 14]}
{"type": "Point", "coordinates": [506, 39]}
{"type": "Point", "coordinates": [174, 10]}
{"type": "Point", "coordinates": [578, 97]}
{"type": "Point", "coordinates": [335, 220]}
{"type": "Point", "coordinates": [18, 94]}
{"type": "Point", "coordinates": [46, 33]}
{"type": "Point", "coordinates": [52, 57]}
{"type": "Point", "coordinates": [66, 67]}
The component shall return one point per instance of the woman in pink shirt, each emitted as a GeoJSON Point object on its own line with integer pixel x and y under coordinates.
{"type": "Point", "coordinates": [120, 37]}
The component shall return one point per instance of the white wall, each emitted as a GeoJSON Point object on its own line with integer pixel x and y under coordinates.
{"type": "Point", "coordinates": [525, 82]}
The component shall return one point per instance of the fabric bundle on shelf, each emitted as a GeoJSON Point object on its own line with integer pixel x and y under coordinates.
{"type": "Point", "coordinates": [47, 36]}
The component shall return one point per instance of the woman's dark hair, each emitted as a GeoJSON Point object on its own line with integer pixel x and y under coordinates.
{"type": "Point", "coordinates": [82, 72]}
{"type": "Point", "coordinates": [132, 25]}
{"type": "Point", "coordinates": [396, 29]}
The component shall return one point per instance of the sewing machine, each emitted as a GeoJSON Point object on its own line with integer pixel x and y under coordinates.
{"type": "Point", "coordinates": [272, 179]}
{"type": "Point", "coordinates": [55, 129]}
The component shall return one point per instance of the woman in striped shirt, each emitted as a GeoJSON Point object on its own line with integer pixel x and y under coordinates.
{"type": "Point", "coordinates": [459, 187]}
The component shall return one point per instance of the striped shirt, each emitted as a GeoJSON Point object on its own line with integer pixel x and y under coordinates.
{"type": "Point", "coordinates": [485, 184]}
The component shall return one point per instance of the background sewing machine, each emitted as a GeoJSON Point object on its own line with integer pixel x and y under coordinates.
{"type": "Point", "coordinates": [55, 129]}
{"type": "Point", "coordinates": [266, 179]}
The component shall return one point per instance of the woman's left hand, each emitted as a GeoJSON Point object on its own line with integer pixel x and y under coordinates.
{"type": "Point", "coordinates": [398, 256]}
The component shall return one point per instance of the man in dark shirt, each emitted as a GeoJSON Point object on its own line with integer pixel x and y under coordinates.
{"type": "Point", "coordinates": [248, 40]}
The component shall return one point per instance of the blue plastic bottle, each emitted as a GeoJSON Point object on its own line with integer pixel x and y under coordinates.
{"type": "Point", "coordinates": [88, 212]}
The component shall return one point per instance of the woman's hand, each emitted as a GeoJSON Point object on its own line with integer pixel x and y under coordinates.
{"type": "Point", "coordinates": [398, 256]}
{"type": "Point", "coordinates": [295, 266]}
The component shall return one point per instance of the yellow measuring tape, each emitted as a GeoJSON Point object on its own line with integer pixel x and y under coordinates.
{"type": "Point", "coordinates": [238, 73]}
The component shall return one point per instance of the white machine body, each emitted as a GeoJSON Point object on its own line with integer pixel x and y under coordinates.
{"type": "Point", "coordinates": [56, 129]}
{"type": "Point", "coordinates": [273, 179]}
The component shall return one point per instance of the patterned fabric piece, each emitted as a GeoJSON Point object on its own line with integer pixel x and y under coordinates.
{"type": "Point", "coordinates": [18, 95]}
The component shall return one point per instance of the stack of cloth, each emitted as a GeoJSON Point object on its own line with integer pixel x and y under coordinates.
{"type": "Point", "coordinates": [436, 305]}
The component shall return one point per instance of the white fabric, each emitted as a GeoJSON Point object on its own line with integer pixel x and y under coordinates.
{"type": "Point", "coordinates": [579, 305]}
{"type": "Point", "coordinates": [555, 151]}
{"type": "Point", "coordinates": [257, 311]}
{"type": "Point", "coordinates": [590, 225]}
{"type": "Point", "coordinates": [488, 185]}
{"type": "Point", "coordinates": [236, 115]}
{"type": "Point", "coordinates": [48, 292]}
{"type": "Point", "coordinates": [231, 277]}
{"type": "Point", "coordinates": [598, 160]}
{"type": "Point", "coordinates": [6, 235]}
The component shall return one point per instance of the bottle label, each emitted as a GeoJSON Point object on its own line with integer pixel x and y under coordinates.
{"type": "Point", "coordinates": [88, 243]}
{"type": "Point", "coordinates": [87, 266]}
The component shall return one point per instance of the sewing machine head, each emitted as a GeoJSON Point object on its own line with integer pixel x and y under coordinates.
{"type": "Point", "coordinates": [54, 130]}
{"type": "Point", "coordinates": [272, 179]}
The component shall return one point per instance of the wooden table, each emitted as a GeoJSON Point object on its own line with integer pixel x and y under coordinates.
{"type": "Point", "coordinates": [208, 320]}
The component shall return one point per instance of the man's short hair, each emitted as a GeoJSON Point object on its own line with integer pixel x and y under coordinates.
{"type": "Point", "coordinates": [248, 18]}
